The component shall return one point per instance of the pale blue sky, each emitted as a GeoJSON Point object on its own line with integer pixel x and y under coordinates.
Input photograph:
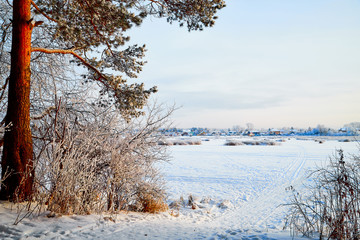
{"type": "Point", "coordinates": [273, 63]}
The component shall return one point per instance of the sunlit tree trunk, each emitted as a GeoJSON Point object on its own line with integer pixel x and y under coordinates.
{"type": "Point", "coordinates": [17, 149]}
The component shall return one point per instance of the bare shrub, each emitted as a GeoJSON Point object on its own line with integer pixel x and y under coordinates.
{"type": "Point", "coordinates": [95, 161]}
{"type": "Point", "coordinates": [331, 210]}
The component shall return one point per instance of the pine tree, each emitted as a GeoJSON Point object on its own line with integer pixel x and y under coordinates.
{"type": "Point", "coordinates": [93, 33]}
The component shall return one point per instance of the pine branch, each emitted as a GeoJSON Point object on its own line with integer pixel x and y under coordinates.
{"type": "Point", "coordinates": [42, 12]}
{"type": "Point", "coordinates": [101, 76]}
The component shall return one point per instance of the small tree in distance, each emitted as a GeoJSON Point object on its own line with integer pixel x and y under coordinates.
{"type": "Point", "coordinates": [92, 32]}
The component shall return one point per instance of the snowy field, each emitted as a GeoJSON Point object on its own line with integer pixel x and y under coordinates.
{"type": "Point", "coordinates": [237, 193]}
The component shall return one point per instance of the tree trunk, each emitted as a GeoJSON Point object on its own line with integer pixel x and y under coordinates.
{"type": "Point", "coordinates": [17, 156]}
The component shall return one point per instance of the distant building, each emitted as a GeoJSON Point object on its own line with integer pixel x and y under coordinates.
{"type": "Point", "coordinates": [293, 131]}
{"type": "Point", "coordinates": [343, 130]}
{"type": "Point", "coordinates": [186, 132]}
{"type": "Point", "coordinates": [254, 133]}
{"type": "Point", "coordinates": [274, 131]}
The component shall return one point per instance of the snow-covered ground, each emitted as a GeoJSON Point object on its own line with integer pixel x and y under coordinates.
{"type": "Point", "coordinates": [237, 190]}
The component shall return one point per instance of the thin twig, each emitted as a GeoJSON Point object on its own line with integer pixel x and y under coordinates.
{"type": "Point", "coordinates": [42, 12]}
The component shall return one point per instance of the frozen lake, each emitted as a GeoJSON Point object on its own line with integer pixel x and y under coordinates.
{"type": "Point", "coordinates": [253, 178]}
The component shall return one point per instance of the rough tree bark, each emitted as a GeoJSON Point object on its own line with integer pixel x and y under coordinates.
{"type": "Point", "coordinates": [17, 150]}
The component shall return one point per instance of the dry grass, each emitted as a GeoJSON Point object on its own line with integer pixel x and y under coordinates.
{"type": "Point", "coordinates": [179, 142]}
{"type": "Point", "coordinates": [250, 142]}
{"type": "Point", "coordinates": [233, 143]}
{"type": "Point", "coordinates": [153, 205]}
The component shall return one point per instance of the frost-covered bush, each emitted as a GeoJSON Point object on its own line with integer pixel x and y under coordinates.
{"type": "Point", "coordinates": [331, 209]}
{"type": "Point", "coordinates": [95, 161]}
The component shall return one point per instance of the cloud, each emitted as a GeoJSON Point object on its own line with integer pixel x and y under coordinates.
{"type": "Point", "coordinates": [215, 100]}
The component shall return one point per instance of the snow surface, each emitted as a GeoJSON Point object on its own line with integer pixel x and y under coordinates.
{"type": "Point", "coordinates": [238, 192]}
